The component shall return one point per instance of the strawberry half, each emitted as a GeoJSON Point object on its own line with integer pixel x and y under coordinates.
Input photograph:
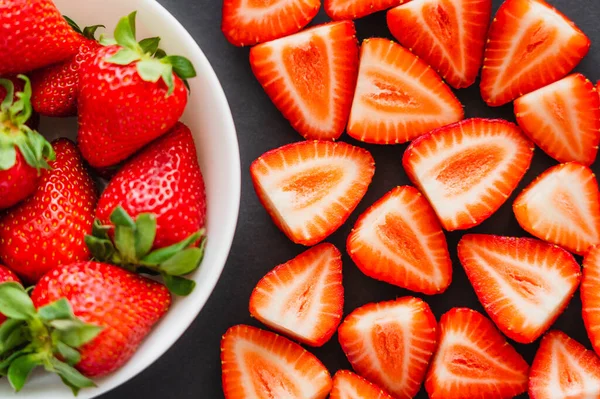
{"type": "Point", "coordinates": [562, 206]}
{"type": "Point", "coordinates": [310, 188]}
{"type": "Point", "coordinates": [347, 385]}
{"type": "Point", "coordinates": [310, 77]}
{"type": "Point", "coordinates": [468, 170]}
{"type": "Point", "coordinates": [262, 365]}
{"type": "Point", "coordinates": [399, 240]}
{"type": "Point", "coordinates": [304, 297]}
{"type": "Point", "coordinates": [530, 45]}
{"type": "Point", "coordinates": [563, 119]}
{"type": "Point", "coordinates": [590, 296]}
{"type": "Point", "coordinates": [390, 343]}
{"type": "Point", "coordinates": [355, 9]}
{"type": "Point", "coordinates": [448, 35]}
{"type": "Point", "coordinates": [246, 23]}
{"type": "Point", "coordinates": [473, 360]}
{"type": "Point", "coordinates": [524, 284]}
{"type": "Point", "coordinates": [398, 96]}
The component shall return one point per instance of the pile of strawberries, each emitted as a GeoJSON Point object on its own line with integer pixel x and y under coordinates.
{"type": "Point", "coordinates": [463, 171]}
{"type": "Point", "coordinates": [76, 245]}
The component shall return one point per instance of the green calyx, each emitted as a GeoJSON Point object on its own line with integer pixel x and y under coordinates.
{"type": "Point", "coordinates": [47, 337]}
{"type": "Point", "coordinates": [15, 134]}
{"type": "Point", "coordinates": [152, 63]}
{"type": "Point", "coordinates": [131, 248]}
{"type": "Point", "coordinates": [88, 32]}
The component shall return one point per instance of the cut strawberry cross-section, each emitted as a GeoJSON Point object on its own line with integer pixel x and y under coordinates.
{"type": "Point", "coordinates": [398, 96]}
{"type": "Point", "coordinates": [399, 240]}
{"type": "Point", "coordinates": [354, 9]}
{"type": "Point", "coordinates": [303, 298]}
{"type": "Point", "coordinates": [473, 360]}
{"type": "Point", "coordinates": [524, 284]}
{"type": "Point", "coordinates": [261, 365]}
{"type": "Point", "coordinates": [530, 45]}
{"type": "Point", "coordinates": [310, 188]}
{"type": "Point", "coordinates": [467, 170]}
{"type": "Point", "coordinates": [590, 296]}
{"type": "Point", "coordinates": [310, 77]}
{"type": "Point", "coordinates": [448, 34]}
{"type": "Point", "coordinates": [390, 343]}
{"type": "Point", "coordinates": [347, 385]}
{"type": "Point", "coordinates": [562, 206]}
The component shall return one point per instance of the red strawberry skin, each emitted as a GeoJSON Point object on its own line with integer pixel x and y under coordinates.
{"type": "Point", "coordinates": [165, 180]}
{"type": "Point", "coordinates": [119, 113]}
{"type": "Point", "coordinates": [17, 183]}
{"type": "Point", "coordinates": [33, 34]}
{"type": "Point", "coordinates": [125, 304]}
{"type": "Point", "coordinates": [48, 228]}
{"type": "Point", "coordinates": [6, 275]}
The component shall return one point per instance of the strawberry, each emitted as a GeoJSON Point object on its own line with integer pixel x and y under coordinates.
{"type": "Point", "coordinates": [530, 45]}
{"type": "Point", "coordinates": [7, 275]}
{"type": "Point", "coordinates": [448, 35]}
{"type": "Point", "coordinates": [310, 77]}
{"type": "Point", "coordinates": [129, 94]}
{"type": "Point", "coordinates": [262, 365]}
{"type": "Point", "coordinates": [48, 228]}
{"type": "Point", "coordinates": [34, 34]}
{"type": "Point", "coordinates": [399, 240]}
{"type": "Point", "coordinates": [304, 297]}
{"type": "Point", "coordinates": [55, 88]}
{"type": "Point", "coordinates": [347, 385]}
{"type": "Point", "coordinates": [398, 96]}
{"type": "Point", "coordinates": [564, 369]}
{"type": "Point", "coordinates": [562, 207]}
{"type": "Point", "coordinates": [524, 284]}
{"type": "Point", "coordinates": [246, 23]}
{"type": "Point", "coordinates": [19, 86]}
{"type": "Point", "coordinates": [590, 296]}
{"type": "Point", "coordinates": [467, 170]}
{"type": "Point", "coordinates": [563, 119]}
{"type": "Point", "coordinates": [390, 343]}
{"type": "Point", "coordinates": [355, 9]}
{"type": "Point", "coordinates": [310, 188]}
{"type": "Point", "coordinates": [473, 360]}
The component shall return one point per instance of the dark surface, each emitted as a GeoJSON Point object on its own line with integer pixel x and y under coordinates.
{"type": "Point", "coordinates": [191, 369]}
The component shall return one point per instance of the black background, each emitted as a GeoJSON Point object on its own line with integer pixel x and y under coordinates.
{"type": "Point", "coordinates": [191, 369]}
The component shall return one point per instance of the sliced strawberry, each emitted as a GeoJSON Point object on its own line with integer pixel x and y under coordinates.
{"type": "Point", "coordinates": [398, 96]}
{"type": "Point", "coordinates": [530, 45]}
{"type": "Point", "coordinates": [467, 170]}
{"type": "Point", "coordinates": [399, 240]}
{"type": "Point", "coordinates": [310, 77]}
{"type": "Point", "coordinates": [247, 22]}
{"type": "Point", "coordinates": [563, 119]}
{"type": "Point", "coordinates": [524, 284]}
{"type": "Point", "coordinates": [261, 365]}
{"type": "Point", "coordinates": [303, 298]}
{"type": "Point", "coordinates": [355, 9]}
{"type": "Point", "coordinates": [562, 206]}
{"type": "Point", "coordinates": [390, 343]}
{"type": "Point", "coordinates": [310, 188]}
{"type": "Point", "coordinates": [473, 360]}
{"type": "Point", "coordinates": [448, 34]}
{"type": "Point", "coordinates": [590, 296]}
{"type": "Point", "coordinates": [347, 385]}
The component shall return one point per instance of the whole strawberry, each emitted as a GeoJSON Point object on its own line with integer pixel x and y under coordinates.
{"type": "Point", "coordinates": [130, 94]}
{"type": "Point", "coordinates": [33, 34]}
{"type": "Point", "coordinates": [48, 229]}
{"type": "Point", "coordinates": [6, 275]}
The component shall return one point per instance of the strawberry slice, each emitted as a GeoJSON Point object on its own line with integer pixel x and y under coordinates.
{"type": "Point", "coordinates": [524, 284]}
{"type": "Point", "coordinates": [399, 240]}
{"type": "Point", "coordinates": [530, 45]}
{"type": "Point", "coordinates": [310, 77]}
{"type": "Point", "coordinates": [564, 369]}
{"type": "Point", "coordinates": [248, 22]}
{"type": "Point", "coordinates": [473, 360]}
{"type": "Point", "coordinates": [467, 170]}
{"type": "Point", "coordinates": [562, 206]}
{"type": "Point", "coordinates": [398, 96]}
{"type": "Point", "coordinates": [390, 343]}
{"type": "Point", "coordinates": [303, 298]}
{"type": "Point", "coordinates": [347, 385]}
{"type": "Point", "coordinates": [310, 188]}
{"type": "Point", "coordinates": [590, 296]}
{"type": "Point", "coordinates": [261, 365]}
{"type": "Point", "coordinates": [355, 9]}
{"type": "Point", "coordinates": [563, 119]}
{"type": "Point", "coordinates": [448, 34]}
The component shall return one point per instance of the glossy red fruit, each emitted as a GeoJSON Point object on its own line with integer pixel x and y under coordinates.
{"type": "Point", "coordinates": [355, 9]}
{"type": "Point", "coordinates": [347, 385]}
{"type": "Point", "coordinates": [7, 275]}
{"type": "Point", "coordinates": [590, 296]}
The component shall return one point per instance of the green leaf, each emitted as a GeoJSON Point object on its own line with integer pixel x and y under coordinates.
{"type": "Point", "coordinates": [157, 257]}
{"type": "Point", "coordinates": [60, 309]}
{"type": "Point", "coordinates": [8, 156]}
{"type": "Point", "coordinates": [12, 334]}
{"type": "Point", "coordinates": [90, 31]}
{"type": "Point", "coordinates": [75, 333]}
{"type": "Point", "coordinates": [70, 375]}
{"type": "Point", "coordinates": [160, 53]}
{"type": "Point", "coordinates": [5, 363]}
{"type": "Point", "coordinates": [167, 76]}
{"type": "Point", "coordinates": [99, 230]}
{"type": "Point", "coordinates": [20, 368]}
{"type": "Point", "coordinates": [21, 109]}
{"type": "Point", "coordinates": [181, 66]}
{"type": "Point", "coordinates": [72, 24]}
{"type": "Point", "coordinates": [107, 41]}
{"type": "Point", "coordinates": [150, 70]}
{"type": "Point", "coordinates": [10, 94]}
{"type": "Point", "coordinates": [145, 233]}
{"type": "Point", "coordinates": [15, 303]}
{"type": "Point", "coordinates": [149, 45]}
{"type": "Point", "coordinates": [125, 243]}
{"type": "Point", "coordinates": [179, 285]}
{"type": "Point", "coordinates": [102, 249]}
{"type": "Point", "coordinates": [124, 57]}
{"type": "Point", "coordinates": [28, 154]}
{"type": "Point", "coordinates": [125, 32]}
{"type": "Point", "coordinates": [71, 356]}
{"type": "Point", "coordinates": [182, 262]}
{"type": "Point", "coordinates": [120, 217]}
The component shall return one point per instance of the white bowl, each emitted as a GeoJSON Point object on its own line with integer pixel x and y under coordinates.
{"type": "Point", "coordinates": [210, 120]}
